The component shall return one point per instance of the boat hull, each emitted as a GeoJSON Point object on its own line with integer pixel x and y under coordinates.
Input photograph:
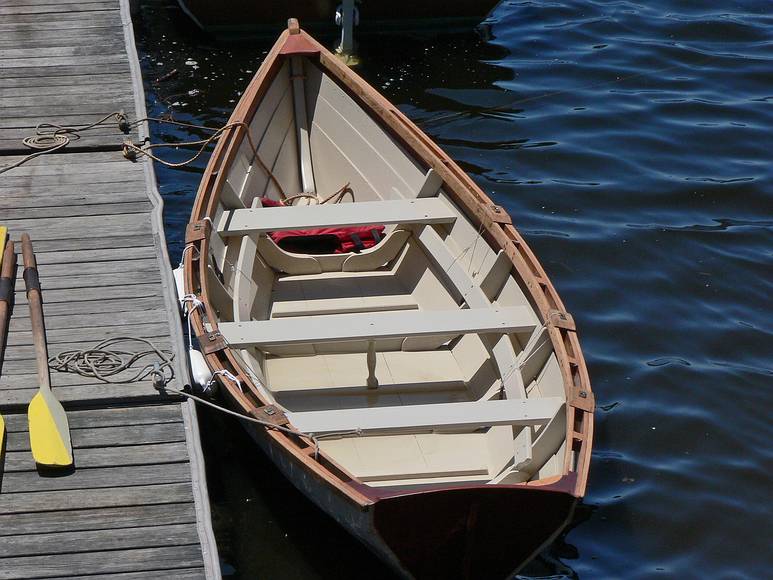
{"type": "Point", "coordinates": [451, 530]}
{"type": "Point", "coordinates": [248, 16]}
{"type": "Point", "coordinates": [477, 531]}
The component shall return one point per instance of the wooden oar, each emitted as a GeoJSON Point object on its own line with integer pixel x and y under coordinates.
{"type": "Point", "coordinates": [7, 272]}
{"type": "Point", "coordinates": [49, 431]}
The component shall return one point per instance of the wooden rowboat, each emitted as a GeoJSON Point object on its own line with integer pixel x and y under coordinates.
{"type": "Point", "coordinates": [430, 387]}
{"type": "Point", "coordinates": [249, 17]}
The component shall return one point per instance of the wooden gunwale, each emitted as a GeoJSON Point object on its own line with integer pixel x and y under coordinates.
{"type": "Point", "coordinates": [212, 184]}
{"type": "Point", "coordinates": [464, 191]}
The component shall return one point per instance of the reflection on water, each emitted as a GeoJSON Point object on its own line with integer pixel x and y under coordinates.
{"type": "Point", "coordinates": [631, 143]}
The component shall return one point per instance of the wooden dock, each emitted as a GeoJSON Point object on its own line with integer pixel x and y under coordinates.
{"type": "Point", "coordinates": [136, 503]}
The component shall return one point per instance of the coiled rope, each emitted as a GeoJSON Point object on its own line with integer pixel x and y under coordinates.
{"type": "Point", "coordinates": [107, 364]}
{"type": "Point", "coordinates": [110, 365]}
{"type": "Point", "coordinates": [50, 137]}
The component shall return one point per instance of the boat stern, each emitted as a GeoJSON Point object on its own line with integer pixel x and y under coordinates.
{"type": "Point", "coordinates": [472, 532]}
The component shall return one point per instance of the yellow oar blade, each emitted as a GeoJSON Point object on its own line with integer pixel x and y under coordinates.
{"type": "Point", "coordinates": [49, 432]}
{"type": "Point", "coordinates": [2, 438]}
{"type": "Point", "coordinates": [3, 236]}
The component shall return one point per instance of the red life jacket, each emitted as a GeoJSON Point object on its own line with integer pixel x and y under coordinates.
{"type": "Point", "coordinates": [325, 240]}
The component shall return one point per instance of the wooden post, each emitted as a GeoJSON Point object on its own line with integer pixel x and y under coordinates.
{"type": "Point", "coordinates": [371, 358]}
{"type": "Point", "coordinates": [347, 27]}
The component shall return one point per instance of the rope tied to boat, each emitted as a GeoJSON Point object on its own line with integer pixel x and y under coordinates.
{"type": "Point", "coordinates": [186, 249]}
{"type": "Point", "coordinates": [106, 364]}
{"type": "Point", "coordinates": [190, 302]}
{"type": "Point", "coordinates": [132, 151]}
{"type": "Point", "coordinates": [338, 196]}
{"type": "Point", "coordinates": [223, 373]}
{"type": "Point", "coordinates": [109, 364]}
{"type": "Point", "coordinates": [50, 137]}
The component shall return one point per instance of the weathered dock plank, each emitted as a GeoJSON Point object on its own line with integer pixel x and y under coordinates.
{"type": "Point", "coordinates": [69, 296]}
{"type": "Point", "coordinates": [77, 204]}
{"type": "Point", "coordinates": [100, 280]}
{"type": "Point", "coordinates": [158, 454]}
{"type": "Point", "coordinates": [98, 314]}
{"type": "Point", "coordinates": [111, 437]}
{"type": "Point", "coordinates": [135, 504]}
{"type": "Point", "coordinates": [25, 355]}
{"type": "Point", "coordinates": [65, 520]}
{"type": "Point", "coordinates": [73, 542]}
{"type": "Point", "coordinates": [69, 337]}
{"type": "Point", "coordinates": [58, 270]}
{"type": "Point", "coordinates": [176, 574]}
{"type": "Point", "coordinates": [112, 561]}
{"type": "Point", "coordinates": [43, 501]}
{"type": "Point", "coordinates": [98, 477]}
{"type": "Point", "coordinates": [73, 395]}
{"type": "Point", "coordinates": [114, 417]}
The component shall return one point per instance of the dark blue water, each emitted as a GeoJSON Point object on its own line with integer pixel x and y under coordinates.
{"type": "Point", "coordinates": [632, 144]}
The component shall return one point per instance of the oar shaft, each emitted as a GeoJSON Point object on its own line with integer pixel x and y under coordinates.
{"type": "Point", "coordinates": [6, 290]}
{"type": "Point", "coordinates": [32, 283]}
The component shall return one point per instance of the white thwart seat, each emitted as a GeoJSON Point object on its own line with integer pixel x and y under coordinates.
{"type": "Point", "coordinates": [339, 293]}
{"type": "Point", "coordinates": [347, 305]}
{"type": "Point", "coordinates": [375, 325]}
{"type": "Point", "coordinates": [240, 222]}
{"type": "Point", "coordinates": [346, 371]}
{"type": "Point", "coordinates": [406, 457]}
{"type": "Point", "coordinates": [428, 417]}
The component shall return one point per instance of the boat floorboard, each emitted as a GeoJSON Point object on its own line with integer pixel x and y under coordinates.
{"type": "Point", "coordinates": [135, 504]}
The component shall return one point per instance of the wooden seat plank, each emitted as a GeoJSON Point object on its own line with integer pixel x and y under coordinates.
{"type": "Point", "coordinates": [273, 219]}
{"type": "Point", "coordinates": [375, 325]}
{"type": "Point", "coordinates": [428, 417]}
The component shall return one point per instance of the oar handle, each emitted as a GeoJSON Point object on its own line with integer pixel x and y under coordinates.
{"type": "Point", "coordinates": [6, 290]}
{"type": "Point", "coordinates": [8, 273]}
{"type": "Point", "coordinates": [32, 283]}
{"type": "Point", "coordinates": [29, 255]}
{"type": "Point", "coordinates": [31, 278]}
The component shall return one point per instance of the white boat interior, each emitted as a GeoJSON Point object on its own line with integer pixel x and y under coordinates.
{"type": "Point", "coordinates": [418, 361]}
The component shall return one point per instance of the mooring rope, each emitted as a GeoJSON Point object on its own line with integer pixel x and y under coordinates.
{"type": "Point", "coordinates": [106, 363]}
{"type": "Point", "coordinates": [131, 150]}
{"type": "Point", "coordinates": [50, 137]}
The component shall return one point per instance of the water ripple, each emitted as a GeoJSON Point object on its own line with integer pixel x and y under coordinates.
{"type": "Point", "coordinates": [668, 360]}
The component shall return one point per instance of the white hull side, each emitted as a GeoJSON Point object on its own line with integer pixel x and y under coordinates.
{"type": "Point", "coordinates": [357, 521]}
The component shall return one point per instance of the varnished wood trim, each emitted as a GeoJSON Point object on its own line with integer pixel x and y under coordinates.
{"type": "Point", "coordinates": [474, 202]}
